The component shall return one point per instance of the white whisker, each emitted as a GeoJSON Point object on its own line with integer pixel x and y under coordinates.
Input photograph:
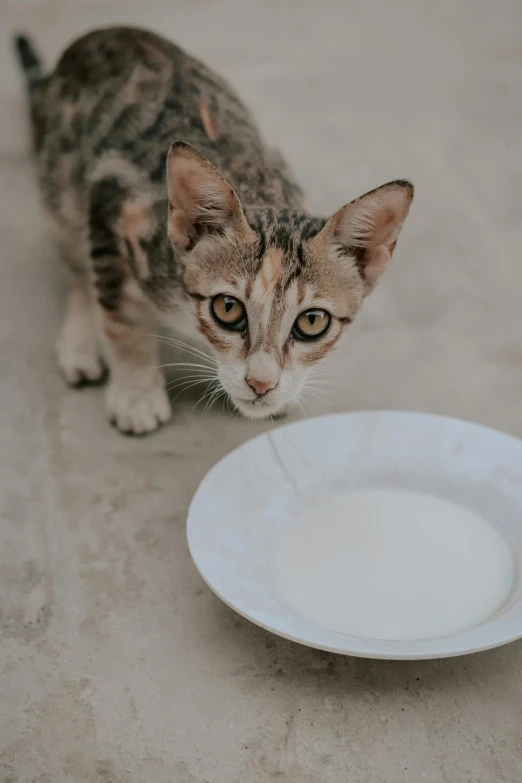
{"type": "Point", "coordinates": [211, 397]}
{"type": "Point", "coordinates": [302, 407]}
{"type": "Point", "coordinates": [185, 347]}
{"type": "Point", "coordinates": [184, 364]}
{"type": "Point", "coordinates": [326, 372]}
{"type": "Point", "coordinates": [208, 397]}
{"type": "Point", "coordinates": [325, 384]}
{"type": "Point", "coordinates": [209, 372]}
{"type": "Point", "coordinates": [188, 381]}
{"type": "Point", "coordinates": [322, 390]}
{"type": "Point", "coordinates": [189, 386]}
{"type": "Point", "coordinates": [219, 393]}
{"type": "Point", "coordinates": [203, 397]}
{"type": "Point", "coordinates": [322, 398]}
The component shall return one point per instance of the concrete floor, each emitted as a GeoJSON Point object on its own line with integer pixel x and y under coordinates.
{"type": "Point", "coordinates": [117, 663]}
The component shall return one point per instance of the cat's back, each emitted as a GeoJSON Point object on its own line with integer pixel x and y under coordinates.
{"type": "Point", "coordinates": [116, 101]}
{"type": "Point", "coordinates": [113, 52]}
{"type": "Point", "coordinates": [104, 58]}
{"type": "Point", "coordinates": [131, 90]}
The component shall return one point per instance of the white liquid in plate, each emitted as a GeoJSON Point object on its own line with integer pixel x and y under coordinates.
{"type": "Point", "coordinates": [390, 564]}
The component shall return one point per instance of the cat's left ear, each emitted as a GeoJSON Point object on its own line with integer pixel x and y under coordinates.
{"type": "Point", "coordinates": [201, 202]}
{"type": "Point", "coordinates": [367, 229]}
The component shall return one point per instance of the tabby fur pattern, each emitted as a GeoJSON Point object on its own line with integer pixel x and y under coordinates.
{"type": "Point", "coordinates": [163, 198]}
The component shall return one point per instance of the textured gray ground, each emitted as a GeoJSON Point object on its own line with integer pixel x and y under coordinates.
{"type": "Point", "coordinates": [117, 663]}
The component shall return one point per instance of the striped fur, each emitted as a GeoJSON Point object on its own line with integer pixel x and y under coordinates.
{"type": "Point", "coordinates": [227, 218]}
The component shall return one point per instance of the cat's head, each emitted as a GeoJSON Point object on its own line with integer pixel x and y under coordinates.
{"type": "Point", "coordinates": [274, 291]}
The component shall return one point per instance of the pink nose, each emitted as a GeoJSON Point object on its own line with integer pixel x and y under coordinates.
{"type": "Point", "coordinates": [261, 387]}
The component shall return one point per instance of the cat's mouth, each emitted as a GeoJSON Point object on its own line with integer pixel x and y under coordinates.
{"type": "Point", "coordinates": [257, 408]}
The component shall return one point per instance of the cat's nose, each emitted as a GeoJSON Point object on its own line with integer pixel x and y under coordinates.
{"type": "Point", "coordinates": [261, 387]}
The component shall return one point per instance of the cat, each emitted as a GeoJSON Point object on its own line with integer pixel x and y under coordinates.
{"type": "Point", "coordinates": [168, 207]}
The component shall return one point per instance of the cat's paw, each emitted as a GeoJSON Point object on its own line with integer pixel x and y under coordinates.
{"type": "Point", "coordinates": [137, 410]}
{"type": "Point", "coordinates": [79, 359]}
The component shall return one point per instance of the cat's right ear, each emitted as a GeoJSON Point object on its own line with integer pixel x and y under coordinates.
{"type": "Point", "coordinates": [201, 202]}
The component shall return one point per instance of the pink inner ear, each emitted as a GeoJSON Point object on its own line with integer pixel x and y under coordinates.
{"type": "Point", "coordinates": [179, 227]}
{"type": "Point", "coordinates": [375, 219]}
{"type": "Point", "coordinates": [184, 190]}
{"type": "Point", "coordinates": [376, 262]}
{"type": "Point", "coordinates": [197, 189]}
{"type": "Point", "coordinates": [201, 202]}
{"type": "Point", "coordinates": [387, 225]}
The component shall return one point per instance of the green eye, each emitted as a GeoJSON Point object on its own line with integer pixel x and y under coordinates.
{"type": "Point", "coordinates": [229, 312]}
{"type": "Point", "coordinates": [311, 325]}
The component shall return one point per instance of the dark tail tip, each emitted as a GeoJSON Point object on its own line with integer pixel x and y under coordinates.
{"type": "Point", "coordinates": [29, 59]}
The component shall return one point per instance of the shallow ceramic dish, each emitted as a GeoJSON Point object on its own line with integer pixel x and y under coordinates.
{"type": "Point", "coordinates": [245, 499]}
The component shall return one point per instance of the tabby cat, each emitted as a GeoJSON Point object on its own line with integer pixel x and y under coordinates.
{"type": "Point", "coordinates": [167, 206]}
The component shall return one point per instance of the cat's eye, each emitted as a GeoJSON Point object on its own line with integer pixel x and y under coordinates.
{"type": "Point", "coordinates": [229, 312]}
{"type": "Point", "coordinates": [311, 324]}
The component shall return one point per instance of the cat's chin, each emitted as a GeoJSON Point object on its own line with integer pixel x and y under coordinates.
{"type": "Point", "coordinates": [257, 409]}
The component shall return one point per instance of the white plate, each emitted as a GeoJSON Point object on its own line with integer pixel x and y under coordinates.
{"type": "Point", "coordinates": [245, 499]}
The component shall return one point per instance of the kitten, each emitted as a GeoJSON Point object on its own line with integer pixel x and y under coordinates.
{"type": "Point", "coordinates": [212, 237]}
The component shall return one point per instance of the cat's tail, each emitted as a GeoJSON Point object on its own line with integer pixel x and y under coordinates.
{"type": "Point", "coordinates": [29, 60]}
{"type": "Point", "coordinates": [35, 79]}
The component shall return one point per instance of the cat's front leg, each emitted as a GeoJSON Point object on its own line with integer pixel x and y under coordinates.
{"type": "Point", "coordinates": [77, 347]}
{"type": "Point", "coordinates": [136, 399]}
